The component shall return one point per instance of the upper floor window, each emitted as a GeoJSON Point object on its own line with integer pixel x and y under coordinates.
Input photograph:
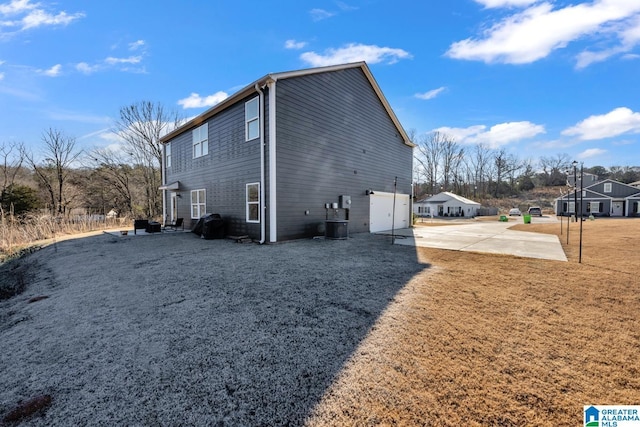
{"type": "Point", "coordinates": [607, 187]}
{"type": "Point", "coordinates": [167, 155]}
{"type": "Point", "coordinates": [251, 119]}
{"type": "Point", "coordinates": [201, 141]}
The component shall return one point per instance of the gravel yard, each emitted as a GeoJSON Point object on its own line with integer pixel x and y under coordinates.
{"type": "Point", "coordinates": [170, 329]}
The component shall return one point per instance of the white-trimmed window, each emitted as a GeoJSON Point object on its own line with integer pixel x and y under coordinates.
{"type": "Point", "coordinates": [253, 202]}
{"type": "Point", "coordinates": [572, 207]}
{"type": "Point", "coordinates": [201, 141]}
{"type": "Point", "coordinates": [607, 187]}
{"type": "Point", "coordinates": [198, 203]}
{"type": "Point", "coordinates": [251, 119]}
{"type": "Point", "coordinates": [167, 155]}
{"type": "Point", "coordinates": [594, 207]}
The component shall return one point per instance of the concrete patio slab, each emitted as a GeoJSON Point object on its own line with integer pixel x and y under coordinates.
{"type": "Point", "coordinates": [484, 236]}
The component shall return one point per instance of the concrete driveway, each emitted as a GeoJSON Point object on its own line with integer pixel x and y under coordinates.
{"type": "Point", "coordinates": [485, 236]}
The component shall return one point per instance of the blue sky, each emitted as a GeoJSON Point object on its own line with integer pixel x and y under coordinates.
{"type": "Point", "coordinates": [538, 78]}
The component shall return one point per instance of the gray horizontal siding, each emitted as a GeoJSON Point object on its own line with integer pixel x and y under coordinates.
{"type": "Point", "coordinates": [334, 138]}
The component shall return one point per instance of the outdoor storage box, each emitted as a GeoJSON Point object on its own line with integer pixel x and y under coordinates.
{"type": "Point", "coordinates": [337, 229]}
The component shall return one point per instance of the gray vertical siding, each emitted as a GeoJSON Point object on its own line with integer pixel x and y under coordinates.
{"type": "Point", "coordinates": [334, 138]}
{"type": "Point", "coordinates": [223, 173]}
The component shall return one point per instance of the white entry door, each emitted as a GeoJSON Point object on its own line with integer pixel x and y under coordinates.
{"type": "Point", "coordinates": [616, 209]}
{"type": "Point", "coordinates": [174, 207]}
{"type": "Point", "coordinates": [381, 213]}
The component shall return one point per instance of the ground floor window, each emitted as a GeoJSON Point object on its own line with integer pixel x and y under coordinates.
{"type": "Point", "coordinates": [198, 203]}
{"type": "Point", "coordinates": [253, 202]}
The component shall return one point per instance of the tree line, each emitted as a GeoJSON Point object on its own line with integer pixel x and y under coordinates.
{"type": "Point", "coordinates": [479, 171]}
{"type": "Point", "coordinates": [63, 180]}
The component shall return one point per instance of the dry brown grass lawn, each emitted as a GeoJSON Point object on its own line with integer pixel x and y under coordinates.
{"type": "Point", "coordinates": [482, 340]}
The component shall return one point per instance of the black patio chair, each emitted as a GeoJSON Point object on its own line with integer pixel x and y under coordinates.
{"type": "Point", "coordinates": [173, 226]}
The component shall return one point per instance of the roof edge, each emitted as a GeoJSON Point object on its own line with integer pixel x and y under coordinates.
{"type": "Point", "coordinates": [250, 88]}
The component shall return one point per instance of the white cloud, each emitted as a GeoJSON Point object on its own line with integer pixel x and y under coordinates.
{"type": "Point", "coordinates": [320, 14]}
{"type": "Point", "coordinates": [498, 135]}
{"type": "Point", "coordinates": [85, 68]}
{"type": "Point", "coordinates": [616, 122]}
{"type": "Point", "coordinates": [591, 153]}
{"type": "Point", "coordinates": [293, 44]}
{"type": "Point", "coordinates": [462, 135]}
{"type": "Point", "coordinates": [354, 53]}
{"type": "Point", "coordinates": [22, 15]}
{"type": "Point", "coordinates": [490, 4]}
{"type": "Point", "coordinates": [111, 62]}
{"type": "Point", "coordinates": [16, 7]}
{"type": "Point", "coordinates": [586, 58]}
{"type": "Point", "coordinates": [345, 7]}
{"type": "Point", "coordinates": [629, 34]}
{"type": "Point", "coordinates": [38, 18]}
{"type": "Point", "coordinates": [430, 94]}
{"type": "Point", "coordinates": [53, 71]}
{"type": "Point", "coordinates": [535, 32]}
{"type": "Point", "coordinates": [136, 45]}
{"type": "Point", "coordinates": [1, 76]}
{"type": "Point", "coordinates": [196, 101]}
{"type": "Point", "coordinates": [130, 60]}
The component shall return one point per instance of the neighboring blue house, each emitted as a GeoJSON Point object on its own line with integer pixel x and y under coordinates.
{"type": "Point", "coordinates": [604, 198]}
{"type": "Point", "coordinates": [289, 151]}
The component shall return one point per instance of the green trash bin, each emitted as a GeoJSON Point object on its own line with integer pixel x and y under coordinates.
{"type": "Point", "coordinates": [526, 218]}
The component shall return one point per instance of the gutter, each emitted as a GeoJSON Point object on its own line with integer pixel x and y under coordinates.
{"type": "Point", "coordinates": [263, 208]}
{"type": "Point", "coordinates": [273, 216]}
{"type": "Point", "coordinates": [164, 182]}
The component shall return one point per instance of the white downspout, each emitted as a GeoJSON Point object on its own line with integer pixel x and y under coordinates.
{"type": "Point", "coordinates": [273, 219]}
{"type": "Point", "coordinates": [263, 209]}
{"type": "Point", "coordinates": [164, 182]}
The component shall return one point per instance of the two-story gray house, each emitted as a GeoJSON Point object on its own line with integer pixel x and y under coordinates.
{"type": "Point", "coordinates": [604, 198]}
{"type": "Point", "coordinates": [290, 151]}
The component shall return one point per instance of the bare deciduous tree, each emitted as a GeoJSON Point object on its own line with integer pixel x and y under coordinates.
{"type": "Point", "coordinates": [113, 170]}
{"type": "Point", "coordinates": [505, 166]}
{"type": "Point", "coordinates": [452, 156]}
{"type": "Point", "coordinates": [428, 158]}
{"type": "Point", "coordinates": [554, 169]}
{"type": "Point", "coordinates": [480, 160]}
{"type": "Point", "coordinates": [141, 125]}
{"type": "Point", "coordinates": [59, 155]}
{"type": "Point", "coordinates": [12, 157]}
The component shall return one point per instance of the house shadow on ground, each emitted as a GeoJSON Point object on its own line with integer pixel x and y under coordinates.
{"type": "Point", "coordinates": [172, 329]}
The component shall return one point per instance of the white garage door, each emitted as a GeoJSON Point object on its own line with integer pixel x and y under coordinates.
{"type": "Point", "coordinates": [381, 216]}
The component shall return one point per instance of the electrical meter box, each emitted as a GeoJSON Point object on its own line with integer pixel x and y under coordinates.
{"type": "Point", "coordinates": [344, 202]}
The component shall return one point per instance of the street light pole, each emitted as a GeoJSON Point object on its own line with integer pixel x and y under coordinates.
{"type": "Point", "coordinates": [581, 191]}
{"type": "Point", "coordinates": [575, 189]}
{"type": "Point", "coordinates": [568, 215]}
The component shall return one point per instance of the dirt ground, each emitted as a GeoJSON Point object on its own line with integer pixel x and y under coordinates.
{"type": "Point", "coordinates": [483, 340]}
{"type": "Point", "coordinates": [175, 330]}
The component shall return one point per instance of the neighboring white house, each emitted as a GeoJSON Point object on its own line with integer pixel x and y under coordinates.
{"type": "Point", "coordinates": [446, 204]}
